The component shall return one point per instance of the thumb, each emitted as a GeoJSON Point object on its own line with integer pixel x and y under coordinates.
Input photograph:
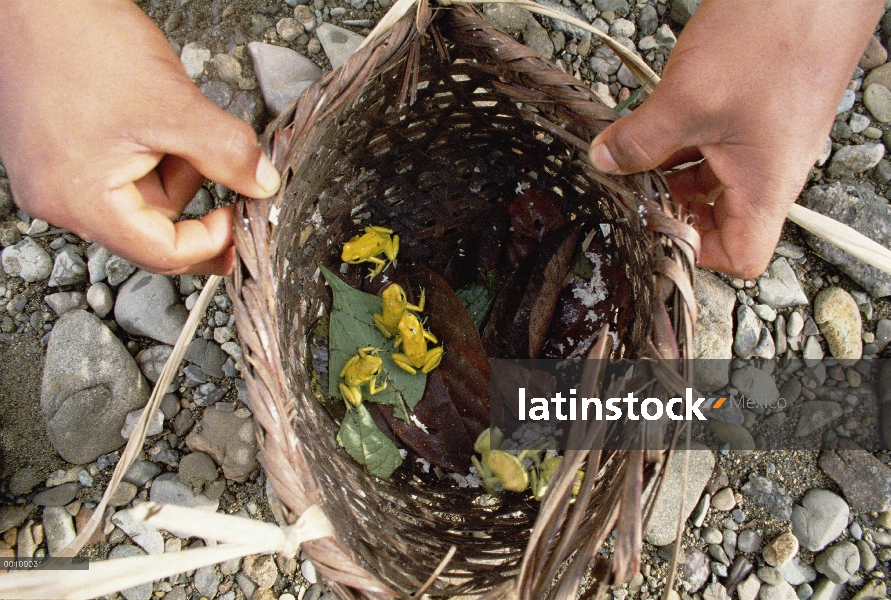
{"type": "Point", "coordinates": [223, 148]}
{"type": "Point", "coordinates": [641, 141]}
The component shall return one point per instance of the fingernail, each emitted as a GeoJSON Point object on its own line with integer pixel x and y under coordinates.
{"type": "Point", "coordinates": [267, 177]}
{"type": "Point", "coordinates": [602, 158]}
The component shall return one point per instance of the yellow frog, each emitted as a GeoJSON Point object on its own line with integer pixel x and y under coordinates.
{"type": "Point", "coordinates": [413, 340]}
{"type": "Point", "coordinates": [394, 308]}
{"type": "Point", "coordinates": [359, 370]}
{"type": "Point", "coordinates": [369, 245]}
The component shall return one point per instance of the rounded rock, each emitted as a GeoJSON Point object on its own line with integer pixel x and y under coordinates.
{"type": "Point", "coordinates": [27, 260]}
{"type": "Point", "coordinates": [838, 316]}
{"type": "Point", "coordinates": [100, 299]}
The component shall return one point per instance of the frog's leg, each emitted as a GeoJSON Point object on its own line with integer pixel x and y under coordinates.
{"type": "Point", "coordinates": [430, 337]}
{"type": "Point", "coordinates": [382, 326]}
{"type": "Point", "coordinates": [398, 341]}
{"type": "Point", "coordinates": [402, 361]}
{"type": "Point", "coordinates": [377, 229]}
{"type": "Point", "coordinates": [391, 248]}
{"type": "Point", "coordinates": [373, 388]}
{"type": "Point", "coordinates": [368, 350]}
{"type": "Point", "coordinates": [376, 270]}
{"type": "Point", "coordinates": [432, 360]}
{"type": "Point", "coordinates": [420, 306]}
{"type": "Point", "coordinates": [348, 364]}
{"type": "Point", "coordinates": [351, 394]}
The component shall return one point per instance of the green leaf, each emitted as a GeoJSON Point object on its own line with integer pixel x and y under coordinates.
{"type": "Point", "coordinates": [479, 299]}
{"type": "Point", "coordinates": [352, 327]}
{"type": "Point", "coordinates": [362, 440]}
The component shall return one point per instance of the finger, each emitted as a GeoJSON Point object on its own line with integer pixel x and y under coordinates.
{"type": "Point", "coordinates": [220, 146]}
{"type": "Point", "coordinates": [150, 240]}
{"type": "Point", "coordinates": [696, 183]}
{"type": "Point", "coordinates": [170, 186]}
{"type": "Point", "coordinates": [641, 141]}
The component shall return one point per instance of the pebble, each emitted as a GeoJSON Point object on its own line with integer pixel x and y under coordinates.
{"type": "Point", "coordinates": [714, 331]}
{"type": "Point", "coordinates": [755, 384]}
{"type": "Point", "coordinates": [877, 99]}
{"type": "Point", "coordinates": [738, 438]}
{"type": "Point", "coordinates": [782, 591]}
{"type": "Point", "coordinates": [197, 468]}
{"type": "Point", "coordinates": [100, 299]}
{"type": "Point", "coordinates": [229, 440]}
{"type": "Point", "coordinates": [662, 528]}
{"type": "Point", "coordinates": [874, 590]}
{"type": "Point", "coordinates": [875, 54]}
{"type": "Point", "coordinates": [193, 57]}
{"type": "Point", "coordinates": [780, 288]}
{"type": "Point", "coordinates": [58, 527]}
{"type": "Point", "coordinates": [305, 17]}
{"type": "Point", "coordinates": [168, 489]}
{"type": "Point", "coordinates": [97, 257]}
{"type": "Point", "coordinates": [309, 571]}
{"type": "Point", "coordinates": [339, 43]}
{"type": "Point", "coordinates": [838, 562]}
{"type": "Point", "coordinates": [27, 260]}
{"type": "Point", "coordinates": [812, 350]}
{"type": "Point", "coordinates": [780, 550]}
{"type": "Point", "coordinates": [148, 305]}
{"type": "Point", "coordinates": [139, 592]}
{"type": "Point", "coordinates": [144, 535]}
{"type": "Point", "coordinates": [68, 269]}
{"type": "Point", "coordinates": [748, 588]}
{"type": "Point", "coordinates": [847, 102]}
{"type": "Point", "coordinates": [768, 495]}
{"type": "Point", "coordinates": [156, 424]}
{"type": "Point", "coordinates": [59, 495]}
{"type": "Point", "coordinates": [770, 576]}
{"type": "Point", "coordinates": [796, 572]}
{"type": "Point", "coordinates": [90, 383]}
{"type": "Point", "coordinates": [123, 495]}
{"type": "Point", "coordinates": [202, 201]}
{"type": "Point", "coordinates": [838, 316]}
{"type": "Point", "coordinates": [820, 519]}
{"type": "Point", "coordinates": [228, 68]}
{"type": "Point", "coordinates": [852, 160]}
{"type": "Point", "coordinates": [207, 581]}
{"type": "Point", "coordinates": [682, 10]}
{"type": "Point", "coordinates": [220, 94]}
{"type": "Point", "coordinates": [815, 415]}
{"type": "Point", "coordinates": [152, 360]}
{"type": "Point", "coordinates": [283, 74]}
{"type": "Point", "coordinates": [855, 205]}
{"type": "Point", "coordinates": [117, 270]}
{"type": "Point", "coordinates": [864, 479]}
{"type": "Point", "coordinates": [748, 541]}
{"type": "Point", "coordinates": [748, 332]}
{"type": "Point", "coordinates": [262, 570]}
{"type": "Point", "coordinates": [724, 500]}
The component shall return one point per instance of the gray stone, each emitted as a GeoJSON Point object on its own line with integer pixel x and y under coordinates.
{"type": "Point", "coordinates": [62, 302]}
{"type": "Point", "coordinates": [714, 331]}
{"type": "Point", "coordinates": [768, 495]}
{"type": "Point", "coordinates": [97, 257]}
{"type": "Point", "coordinates": [738, 438]}
{"type": "Point", "coordinates": [170, 406]}
{"type": "Point", "coordinates": [201, 203]}
{"type": "Point", "coordinates": [152, 361]}
{"type": "Point", "coordinates": [10, 235]}
{"type": "Point", "coordinates": [780, 550]}
{"type": "Point", "coordinates": [100, 299]}
{"type": "Point", "coordinates": [695, 569]}
{"type": "Point", "coordinates": [877, 99]}
{"type": "Point", "coordinates": [827, 590]}
{"type": "Point", "coordinates": [57, 496]}
{"type": "Point", "coordinates": [864, 479]}
{"type": "Point", "coordinates": [123, 495]}
{"type": "Point", "coordinates": [148, 305]}
{"type": "Point", "coordinates": [168, 489]}
{"type": "Point", "coordinates": [247, 586]}
{"type": "Point", "coordinates": [837, 315]}
{"type": "Point", "coordinates": [682, 10]}
{"type": "Point", "coordinates": [156, 424]}
{"type": "Point", "coordinates": [857, 206]}
{"type": "Point", "coordinates": [197, 468]}
{"type": "Point", "coordinates": [796, 572]}
{"type": "Point", "coordinates": [27, 260]}
{"type": "Point", "coordinates": [289, 29]}
{"type": "Point", "coordinates": [263, 571]}
{"type": "Point", "coordinates": [748, 332]}
{"type": "Point", "coordinates": [284, 74]}
{"type": "Point", "coordinates": [194, 57]}
{"type": "Point", "coordinates": [339, 43]}
{"type": "Point", "coordinates": [228, 68]}
{"type": "Point", "coordinates": [139, 592]}
{"type": "Point", "coordinates": [90, 383]}
{"type": "Point", "coordinates": [770, 576]}
{"type": "Point", "coordinates": [662, 529]}
{"type": "Point", "coordinates": [68, 269]}
{"type": "Point", "coordinates": [229, 440]}
{"type": "Point", "coordinates": [883, 334]}
{"type": "Point", "coordinates": [812, 350]}
{"type": "Point", "coordinates": [206, 581]}
{"type": "Point", "coordinates": [852, 160]}
{"type": "Point", "coordinates": [715, 591]}
{"type": "Point", "coordinates": [144, 535]}
{"type": "Point", "coordinates": [58, 527]}
{"type": "Point", "coordinates": [753, 383]}
{"type": "Point", "coordinates": [571, 31]}
{"type": "Point", "coordinates": [820, 519]}
{"type": "Point", "coordinates": [748, 588]}
{"type": "Point", "coordinates": [141, 472]}
{"type": "Point", "coordinates": [780, 288]}
{"type": "Point", "coordinates": [874, 590]}
{"type": "Point", "coordinates": [508, 17]}
{"type": "Point", "coordinates": [782, 591]}
{"type": "Point", "coordinates": [23, 481]}
{"type": "Point", "coordinates": [748, 540]}
{"type": "Point", "coordinates": [795, 324]}
{"type": "Point", "coordinates": [847, 102]}
{"type": "Point", "coordinates": [815, 415]}
{"type": "Point", "coordinates": [868, 560]}
{"type": "Point", "coordinates": [220, 94]}
{"type": "Point", "coordinates": [117, 270]}
{"type": "Point", "coordinates": [838, 562]}
{"type": "Point", "coordinates": [536, 38]}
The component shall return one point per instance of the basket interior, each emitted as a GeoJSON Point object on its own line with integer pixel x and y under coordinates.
{"type": "Point", "coordinates": [429, 171]}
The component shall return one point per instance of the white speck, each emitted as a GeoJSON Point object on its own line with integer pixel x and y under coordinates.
{"type": "Point", "coordinates": [403, 453]}
{"type": "Point", "coordinates": [595, 290]}
{"type": "Point", "coordinates": [425, 464]}
{"type": "Point", "coordinates": [417, 422]}
{"type": "Point", "coordinates": [273, 215]}
{"type": "Point", "coordinates": [521, 186]}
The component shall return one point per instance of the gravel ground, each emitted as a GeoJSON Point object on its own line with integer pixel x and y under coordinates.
{"type": "Point", "coordinates": [744, 497]}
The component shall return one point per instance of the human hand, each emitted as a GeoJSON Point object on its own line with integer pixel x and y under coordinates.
{"type": "Point", "coordinates": [103, 133]}
{"type": "Point", "coordinates": [753, 88]}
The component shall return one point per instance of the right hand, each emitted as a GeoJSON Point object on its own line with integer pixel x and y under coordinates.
{"type": "Point", "coordinates": [752, 88]}
{"type": "Point", "coordinates": [103, 133]}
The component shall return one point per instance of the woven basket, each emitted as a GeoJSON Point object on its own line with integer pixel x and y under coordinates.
{"type": "Point", "coordinates": [421, 131]}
